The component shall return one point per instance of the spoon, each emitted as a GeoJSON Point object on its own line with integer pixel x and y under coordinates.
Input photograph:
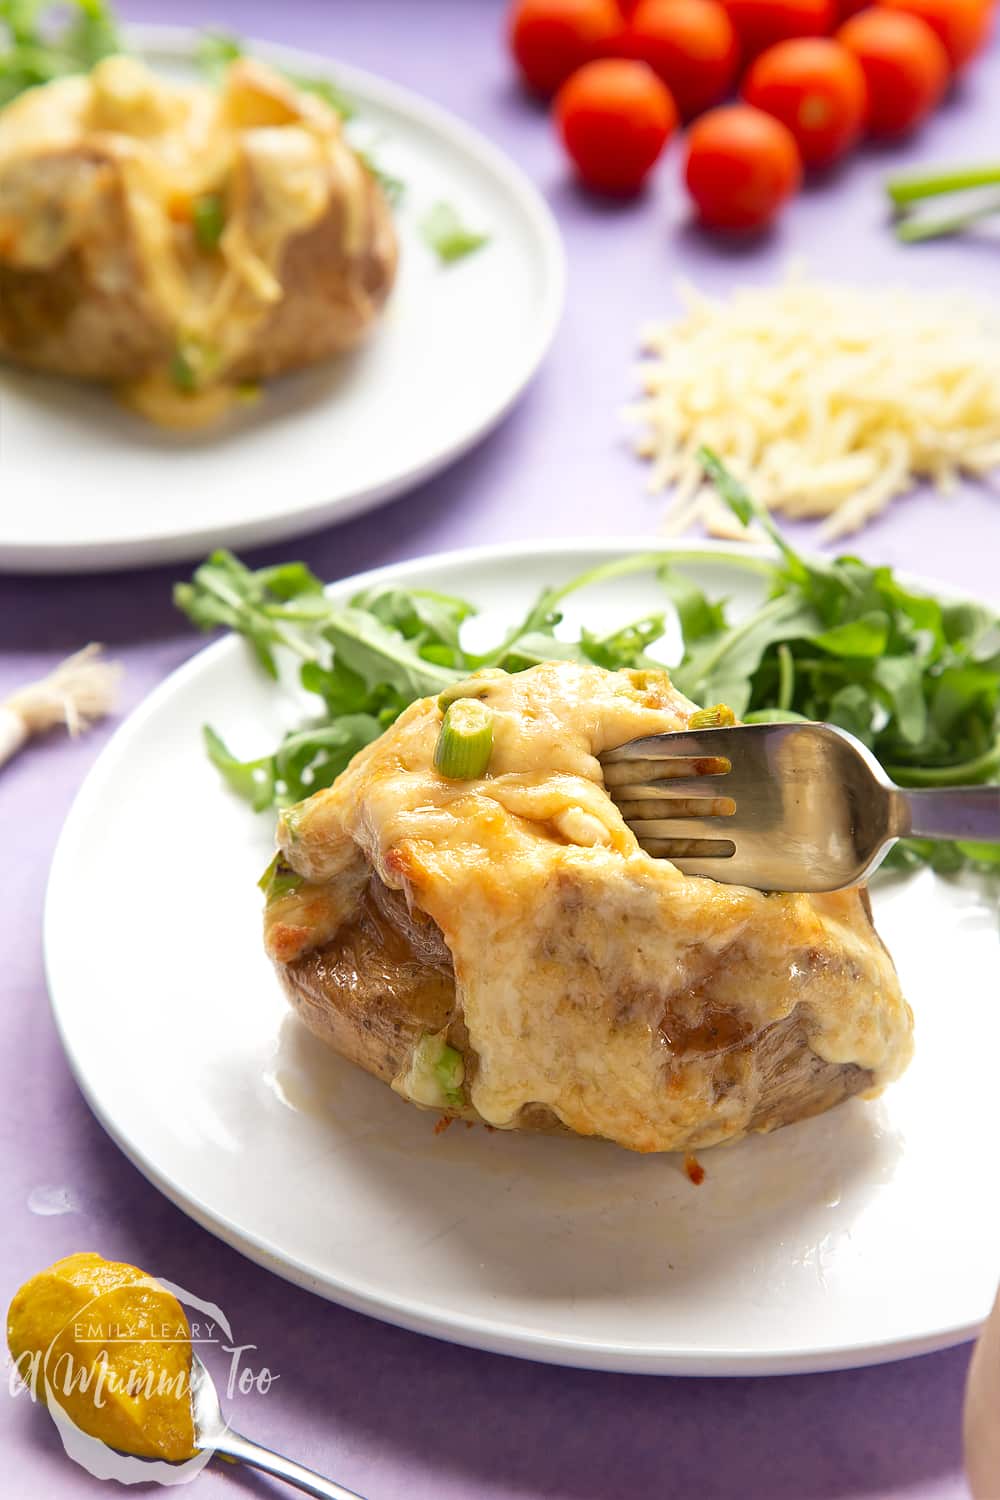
{"type": "Point", "coordinates": [212, 1431]}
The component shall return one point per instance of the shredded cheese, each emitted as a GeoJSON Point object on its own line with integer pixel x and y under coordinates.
{"type": "Point", "coordinates": [825, 400]}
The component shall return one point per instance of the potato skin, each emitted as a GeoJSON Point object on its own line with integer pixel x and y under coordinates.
{"type": "Point", "coordinates": [329, 306]}
{"type": "Point", "coordinates": [387, 978]}
{"type": "Point", "coordinates": [372, 992]}
{"type": "Point", "coordinates": [90, 315]}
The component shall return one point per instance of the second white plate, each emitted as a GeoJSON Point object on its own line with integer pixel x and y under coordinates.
{"type": "Point", "coordinates": [867, 1234]}
{"type": "Point", "coordinates": [89, 485]}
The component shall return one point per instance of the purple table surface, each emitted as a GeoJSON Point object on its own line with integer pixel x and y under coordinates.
{"type": "Point", "coordinates": [387, 1412]}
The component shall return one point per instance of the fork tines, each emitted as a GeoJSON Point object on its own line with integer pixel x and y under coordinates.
{"type": "Point", "coordinates": [664, 797]}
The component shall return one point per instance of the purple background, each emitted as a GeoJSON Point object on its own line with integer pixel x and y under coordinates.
{"type": "Point", "coordinates": [390, 1413]}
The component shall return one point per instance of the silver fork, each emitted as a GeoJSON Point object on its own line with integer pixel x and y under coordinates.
{"type": "Point", "coordinates": [781, 807]}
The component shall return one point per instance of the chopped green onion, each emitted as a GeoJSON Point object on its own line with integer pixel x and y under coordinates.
{"type": "Point", "coordinates": [436, 1074]}
{"type": "Point", "coordinates": [192, 365]}
{"type": "Point", "coordinates": [465, 742]}
{"type": "Point", "coordinates": [478, 688]}
{"type": "Point", "coordinates": [182, 373]}
{"type": "Point", "coordinates": [447, 236]}
{"type": "Point", "coordinates": [290, 821]}
{"type": "Point", "coordinates": [279, 879]}
{"type": "Point", "coordinates": [208, 214]}
{"type": "Point", "coordinates": [392, 187]}
{"type": "Point", "coordinates": [719, 717]}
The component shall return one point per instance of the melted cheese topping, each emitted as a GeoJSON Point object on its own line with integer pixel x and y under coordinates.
{"type": "Point", "coordinates": [592, 978]}
{"type": "Point", "coordinates": [273, 154]}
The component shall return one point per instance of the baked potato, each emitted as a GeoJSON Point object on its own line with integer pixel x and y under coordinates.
{"type": "Point", "coordinates": [501, 949]}
{"type": "Point", "coordinates": [177, 241]}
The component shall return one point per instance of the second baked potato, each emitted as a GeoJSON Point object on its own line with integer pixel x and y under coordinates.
{"type": "Point", "coordinates": [176, 240]}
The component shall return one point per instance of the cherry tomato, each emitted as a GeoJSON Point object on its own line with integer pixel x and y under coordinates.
{"type": "Point", "coordinates": [904, 63]}
{"type": "Point", "coordinates": [550, 39]}
{"type": "Point", "coordinates": [615, 117]}
{"type": "Point", "coordinates": [761, 23]}
{"type": "Point", "coordinates": [815, 87]}
{"type": "Point", "coordinates": [741, 167]}
{"type": "Point", "coordinates": [961, 25]}
{"type": "Point", "coordinates": [691, 44]}
{"type": "Point", "coordinates": [848, 8]}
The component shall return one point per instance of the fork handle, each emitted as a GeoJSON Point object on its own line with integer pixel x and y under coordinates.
{"type": "Point", "coordinates": [954, 812]}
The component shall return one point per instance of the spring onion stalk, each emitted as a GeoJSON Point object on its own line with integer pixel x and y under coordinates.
{"type": "Point", "coordinates": [913, 186]}
{"type": "Point", "coordinates": [914, 228]}
{"type": "Point", "coordinates": [917, 187]}
{"type": "Point", "coordinates": [465, 742]}
{"type": "Point", "coordinates": [717, 717]}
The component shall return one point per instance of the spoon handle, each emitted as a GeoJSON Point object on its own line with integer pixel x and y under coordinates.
{"type": "Point", "coordinates": [234, 1445]}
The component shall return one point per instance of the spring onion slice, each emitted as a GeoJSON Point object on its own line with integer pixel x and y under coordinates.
{"type": "Point", "coordinates": [279, 879]}
{"type": "Point", "coordinates": [208, 215]}
{"type": "Point", "coordinates": [718, 717]}
{"type": "Point", "coordinates": [465, 742]}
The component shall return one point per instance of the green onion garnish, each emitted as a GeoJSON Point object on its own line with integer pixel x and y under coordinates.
{"type": "Point", "coordinates": [208, 215]}
{"type": "Point", "coordinates": [182, 373]}
{"type": "Point", "coordinates": [193, 365]}
{"type": "Point", "coordinates": [465, 742]}
{"type": "Point", "coordinates": [447, 236]}
{"type": "Point", "coordinates": [717, 717]}
{"type": "Point", "coordinates": [279, 879]}
{"type": "Point", "coordinates": [436, 1074]}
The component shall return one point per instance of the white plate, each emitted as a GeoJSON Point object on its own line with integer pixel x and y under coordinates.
{"type": "Point", "coordinates": [87, 484]}
{"type": "Point", "coordinates": [867, 1234]}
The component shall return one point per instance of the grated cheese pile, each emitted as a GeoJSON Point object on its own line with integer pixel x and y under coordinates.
{"type": "Point", "coordinates": [825, 400]}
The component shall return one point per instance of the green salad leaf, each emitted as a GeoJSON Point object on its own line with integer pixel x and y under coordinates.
{"type": "Point", "coordinates": [40, 41]}
{"type": "Point", "coordinates": [916, 679]}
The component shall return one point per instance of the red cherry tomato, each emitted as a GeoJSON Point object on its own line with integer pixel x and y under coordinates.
{"type": "Point", "coordinates": [815, 87]}
{"type": "Point", "coordinates": [741, 167]}
{"type": "Point", "coordinates": [761, 23]}
{"type": "Point", "coordinates": [848, 8]}
{"type": "Point", "coordinates": [550, 39]}
{"type": "Point", "coordinates": [691, 45]}
{"type": "Point", "coordinates": [905, 66]}
{"type": "Point", "coordinates": [615, 117]}
{"type": "Point", "coordinates": [961, 25]}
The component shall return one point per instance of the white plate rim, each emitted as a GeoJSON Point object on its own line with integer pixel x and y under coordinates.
{"type": "Point", "coordinates": [479, 1332]}
{"type": "Point", "coordinates": [39, 555]}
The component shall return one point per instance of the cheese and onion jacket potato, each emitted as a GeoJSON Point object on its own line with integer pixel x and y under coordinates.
{"type": "Point", "coordinates": [176, 241]}
{"type": "Point", "coordinates": [502, 950]}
